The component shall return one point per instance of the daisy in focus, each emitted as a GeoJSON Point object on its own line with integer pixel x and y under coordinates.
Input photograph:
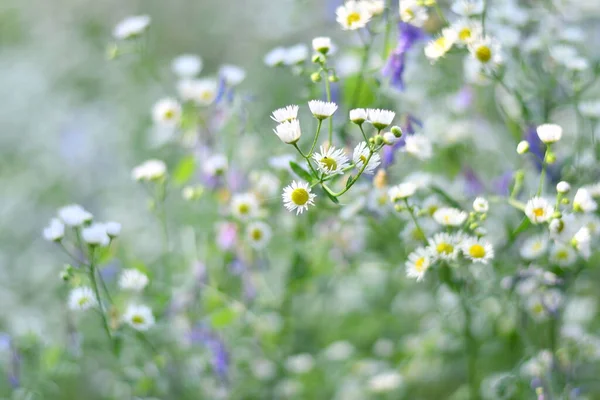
{"type": "Point", "coordinates": [298, 196]}
{"type": "Point", "coordinates": [331, 161]}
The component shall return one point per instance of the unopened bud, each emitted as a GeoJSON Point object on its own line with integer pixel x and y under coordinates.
{"type": "Point", "coordinates": [333, 78]}
{"type": "Point", "coordinates": [523, 147]}
{"type": "Point", "coordinates": [563, 187]}
{"type": "Point", "coordinates": [318, 58]}
{"type": "Point", "coordinates": [397, 131]}
{"type": "Point", "coordinates": [315, 77]}
{"type": "Point", "coordinates": [550, 158]}
{"type": "Point", "coordinates": [378, 140]}
{"type": "Point", "coordinates": [389, 138]}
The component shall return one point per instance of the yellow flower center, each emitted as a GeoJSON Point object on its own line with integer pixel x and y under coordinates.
{"type": "Point", "coordinates": [538, 212]}
{"type": "Point", "coordinates": [409, 14]}
{"type": "Point", "coordinates": [137, 319]}
{"type": "Point", "coordinates": [244, 208]}
{"type": "Point", "coordinates": [363, 159]}
{"type": "Point", "coordinates": [352, 18]}
{"type": "Point", "coordinates": [329, 163]}
{"type": "Point", "coordinates": [83, 301]}
{"type": "Point", "coordinates": [477, 251]}
{"type": "Point", "coordinates": [207, 95]}
{"type": "Point", "coordinates": [420, 264]}
{"type": "Point", "coordinates": [256, 234]}
{"type": "Point", "coordinates": [562, 255]}
{"type": "Point", "coordinates": [464, 34]}
{"type": "Point", "coordinates": [483, 54]}
{"type": "Point", "coordinates": [169, 114]}
{"type": "Point", "coordinates": [441, 43]}
{"type": "Point", "coordinates": [537, 246]}
{"type": "Point", "coordinates": [538, 308]}
{"type": "Point", "coordinates": [445, 248]}
{"type": "Point", "coordinates": [299, 196]}
{"type": "Point", "coordinates": [417, 234]}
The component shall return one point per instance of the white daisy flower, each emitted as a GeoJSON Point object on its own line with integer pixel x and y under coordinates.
{"type": "Point", "coordinates": [150, 170]}
{"type": "Point", "coordinates": [55, 231]}
{"type": "Point", "coordinates": [438, 47]}
{"type": "Point", "coordinates": [133, 279]}
{"type": "Point", "coordinates": [444, 246]}
{"type": "Point", "coordinates": [244, 206]}
{"type": "Point", "coordinates": [584, 202]}
{"type": "Point", "coordinates": [186, 66]}
{"type": "Point", "coordinates": [285, 114]}
{"type": "Point", "coordinates": [74, 215]}
{"type": "Point", "coordinates": [322, 44]}
{"type": "Point", "coordinates": [401, 191]}
{"type": "Point", "coordinates": [467, 8]}
{"type": "Point", "coordinates": [376, 7]}
{"type": "Point", "coordinates": [215, 164]}
{"type": "Point", "coordinates": [360, 156]}
{"type": "Point", "coordinates": [81, 299]}
{"type": "Point", "coordinates": [477, 250]}
{"type": "Point", "coordinates": [467, 31]}
{"type": "Point", "coordinates": [296, 54]}
{"type": "Point", "coordinates": [139, 317]}
{"type": "Point", "coordinates": [418, 146]}
{"type": "Point", "coordinates": [258, 234]}
{"type": "Point", "coordinates": [534, 247]}
{"type": "Point", "coordinates": [539, 210]}
{"type": "Point", "coordinates": [412, 12]}
{"type": "Point", "coordinates": [562, 229]}
{"type": "Point", "coordinates": [563, 187]}
{"type": "Point", "coordinates": [331, 161]}
{"type": "Point", "coordinates": [201, 91]}
{"type": "Point", "coordinates": [131, 27]}
{"type": "Point", "coordinates": [298, 196]}
{"type": "Point", "coordinates": [113, 229]}
{"type": "Point", "coordinates": [549, 133]}
{"type": "Point", "coordinates": [562, 255]}
{"type": "Point", "coordinates": [275, 57]}
{"type": "Point", "coordinates": [232, 74]}
{"type": "Point", "coordinates": [385, 382]}
{"type": "Point", "coordinates": [380, 119]}
{"type": "Point", "coordinates": [95, 235]}
{"type": "Point", "coordinates": [449, 216]}
{"type": "Point", "coordinates": [300, 363]}
{"type": "Point", "coordinates": [322, 109]}
{"type": "Point", "coordinates": [358, 116]}
{"type": "Point", "coordinates": [486, 52]}
{"type": "Point", "coordinates": [166, 112]}
{"type": "Point", "coordinates": [289, 131]}
{"type": "Point", "coordinates": [581, 241]}
{"type": "Point", "coordinates": [418, 262]}
{"type": "Point", "coordinates": [353, 15]}
{"type": "Point", "coordinates": [481, 205]}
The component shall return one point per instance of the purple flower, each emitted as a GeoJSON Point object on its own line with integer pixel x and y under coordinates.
{"type": "Point", "coordinates": [473, 184]}
{"type": "Point", "coordinates": [394, 68]}
{"type": "Point", "coordinates": [501, 185]}
{"type": "Point", "coordinates": [538, 149]}
{"type": "Point", "coordinates": [220, 355]}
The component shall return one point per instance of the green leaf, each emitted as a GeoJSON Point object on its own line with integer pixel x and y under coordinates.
{"type": "Point", "coordinates": [223, 317]}
{"type": "Point", "coordinates": [332, 198]}
{"type": "Point", "coordinates": [349, 181]}
{"type": "Point", "coordinates": [522, 227]}
{"type": "Point", "coordinates": [454, 203]}
{"type": "Point", "coordinates": [184, 170]}
{"type": "Point", "coordinates": [301, 172]}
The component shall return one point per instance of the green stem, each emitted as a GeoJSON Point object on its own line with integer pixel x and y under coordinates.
{"type": "Point", "coordinates": [542, 174]}
{"type": "Point", "coordinates": [316, 139]}
{"type": "Point", "coordinates": [414, 218]}
{"type": "Point", "coordinates": [348, 186]}
{"type": "Point", "coordinates": [364, 135]}
{"type": "Point", "coordinates": [471, 350]}
{"type": "Point", "coordinates": [328, 91]}
{"type": "Point", "coordinates": [97, 294]}
{"type": "Point", "coordinates": [388, 29]}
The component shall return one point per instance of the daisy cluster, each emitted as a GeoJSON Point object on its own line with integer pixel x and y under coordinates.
{"type": "Point", "coordinates": [429, 229]}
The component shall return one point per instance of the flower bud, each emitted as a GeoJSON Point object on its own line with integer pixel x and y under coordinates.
{"type": "Point", "coordinates": [315, 77]}
{"type": "Point", "coordinates": [333, 78]}
{"type": "Point", "coordinates": [397, 131]}
{"type": "Point", "coordinates": [389, 138]}
{"type": "Point", "coordinates": [318, 58]}
{"type": "Point", "coordinates": [563, 187]}
{"type": "Point", "coordinates": [378, 140]}
{"type": "Point", "coordinates": [550, 158]}
{"type": "Point", "coordinates": [523, 147]}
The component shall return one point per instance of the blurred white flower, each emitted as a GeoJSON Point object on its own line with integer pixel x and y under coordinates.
{"type": "Point", "coordinates": [353, 15]}
{"type": "Point", "coordinates": [322, 44]}
{"type": "Point", "coordinates": [339, 351]}
{"type": "Point", "coordinates": [133, 279]}
{"type": "Point", "coordinates": [385, 382]}
{"type": "Point", "coordinates": [201, 91]}
{"type": "Point", "coordinates": [534, 247]}
{"type": "Point", "coordinates": [584, 202]}
{"type": "Point", "coordinates": [448, 216]}
{"type": "Point", "coordinates": [244, 206]}
{"type": "Point", "coordinates": [258, 234]}
{"type": "Point", "coordinates": [166, 112]}
{"type": "Point", "coordinates": [412, 12]}
{"type": "Point", "coordinates": [477, 250]}
{"type": "Point", "coordinates": [215, 164]}
{"type": "Point", "coordinates": [95, 235]}
{"type": "Point", "coordinates": [467, 8]}
{"type": "Point", "coordinates": [186, 66]}
{"type": "Point", "coordinates": [55, 231]}
{"type": "Point", "coordinates": [444, 246]}
{"type": "Point", "coordinates": [296, 54]}
{"type": "Point", "coordinates": [131, 27]}
{"type": "Point", "coordinates": [300, 363]}
{"type": "Point", "coordinates": [401, 191]}
{"type": "Point", "coordinates": [418, 146]}
{"type": "Point", "coordinates": [232, 74]}
{"type": "Point", "coordinates": [150, 170]}
{"type": "Point", "coordinates": [74, 215]}
{"type": "Point", "coordinates": [139, 317]}
{"type": "Point", "coordinates": [113, 229]}
{"type": "Point", "coordinates": [539, 210]}
{"type": "Point", "coordinates": [418, 263]}
{"type": "Point", "coordinates": [82, 298]}
{"type": "Point", "coordinates": [481, 205]}
{"type": "Point", "coordinates": [285, 114]}
{"type": "Point", "coordinates": [275, 57]}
